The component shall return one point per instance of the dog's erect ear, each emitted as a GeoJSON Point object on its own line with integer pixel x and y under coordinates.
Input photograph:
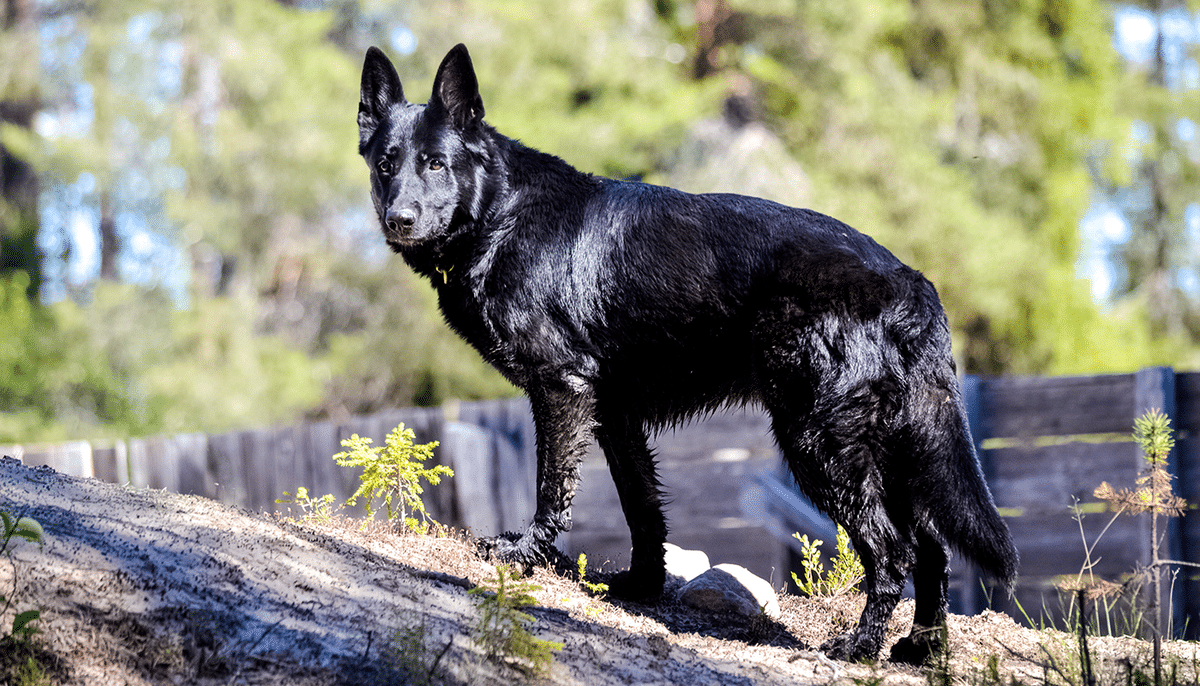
{"type": "Point", "coordinates": [380, 90]}
{"type": "Point", "coordinates": [457, 90]}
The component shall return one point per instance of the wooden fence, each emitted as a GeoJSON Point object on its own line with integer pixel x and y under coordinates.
{"type": "Point", "coordinates": [1047, 443]}
{"type": "Point", "coordinates": [1044, 443]}
{"type": "Point", "coordinates": [489, 443]}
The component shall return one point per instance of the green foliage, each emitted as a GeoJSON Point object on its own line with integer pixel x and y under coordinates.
{"type": "Point", "coordinates": [51, 378]}
{"type": "Point", "coordinates": [18, 657]}
{"type": "Point", "coordinates": [21, 528]}
{"type": "Point", "coordinates": [115, 367]}
{"type": "Point", "coordinates": [592, 587]}
{"type": "Point", "coordinates": [501, 630]}
{"type": "Point", "coordinates": [394, 472]}
{"type": "Point", "coordinates": [842, 578]}
{"type": "Point", "coordinates": [1152, 432]}
{"type": "Point", "coordinates": [31, 673]}
{"type": "Point", "coordinates": [953, 133]}
{"type": "Point", "coordinates": [588, 81]}
{"type": "Point", "coordinates": [319, 510]}
{"type": "Point", "coordinates": [408, 655]}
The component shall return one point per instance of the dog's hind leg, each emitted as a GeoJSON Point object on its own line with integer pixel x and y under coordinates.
{"type": "Point", "coordinates": [828, 433]}
{"type": "Point", "coordinates": [625, 443]}
{"type": "Point", "coordinates": [886, 558]}
{"type": "Point", "coordinates": [931, 581]}
{"type": "Point", "coordinates": [841, 478]}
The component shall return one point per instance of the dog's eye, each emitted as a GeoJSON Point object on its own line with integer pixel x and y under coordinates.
{"type": "Point", "coordinates": [384, 167]}
{"type": "Point", "coordinates": [435, 164]}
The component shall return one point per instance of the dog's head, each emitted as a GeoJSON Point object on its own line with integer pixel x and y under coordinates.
{"type": "Point", "coordinates": [425, 160]}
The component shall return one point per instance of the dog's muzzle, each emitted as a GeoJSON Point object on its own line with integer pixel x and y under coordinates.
{"type": "Point", "coordinates": [400, 222]}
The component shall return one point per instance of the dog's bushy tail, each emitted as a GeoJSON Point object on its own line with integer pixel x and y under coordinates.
{"type": "Point", "coordinates": [967, 515]}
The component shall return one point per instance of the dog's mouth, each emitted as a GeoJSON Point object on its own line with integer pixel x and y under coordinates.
{"type": "Point", "coordinates": [399, 238]}
{"type": "Point", "coordinates": [396, 243]}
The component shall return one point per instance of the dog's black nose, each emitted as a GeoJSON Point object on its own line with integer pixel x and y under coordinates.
{"type": "Point", "coordinates": [401, 219]}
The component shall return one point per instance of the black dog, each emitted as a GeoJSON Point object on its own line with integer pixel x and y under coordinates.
{"type": "Point", "coordinates": [621, 308]}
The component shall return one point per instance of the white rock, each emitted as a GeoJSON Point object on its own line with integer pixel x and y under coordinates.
{"type": "Point", "coordinates": [730, 588]}
{"type": "Point", "coordinates": [687, 564]}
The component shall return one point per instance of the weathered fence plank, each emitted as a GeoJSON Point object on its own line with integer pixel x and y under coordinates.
{"type": "Point", "coordinates": [259, 464]}
{"type": "Point", "coordinates": [468, 450]}
{"type": "Point", "coordinates": [1045, 479]}
{"type": "Point", "coordinates": [110, 463]}
{"type": "Point", "coordinates": [320, 441]}
{"type": "Point", "coordinates": [227, 468]}
{"type": "Point", "coordinates": [72, 457]}
{"type": "Point", "coordinates": [194, 478]}
{"type": "Point", "coordinates": [1016, 407]}
{"type": "Point", "coordinates": [139, 466]}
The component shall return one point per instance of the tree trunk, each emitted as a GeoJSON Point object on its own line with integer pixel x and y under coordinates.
{"type": "Point", "coordinates": [110, 243]}
{"type": "Point", "coordinates": [18, 180]}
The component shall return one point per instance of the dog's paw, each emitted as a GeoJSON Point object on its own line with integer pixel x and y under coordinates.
{"type": "Point", "coordinates": [633, 585]}
{"type": "Point", "coordinates": [508, 549]}
{"type": "Point", "coordinates": [521, 553]}
{"type": "Point", "coordinates": [851, 647]}
{"type": "Point", "coordinates": [917, 647]}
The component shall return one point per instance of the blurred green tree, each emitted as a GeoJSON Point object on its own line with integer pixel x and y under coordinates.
{"type": "Point", "coordinates": [954, 132]}
{"type": "Point", "coordinates": [239, 277]}
{"type": "Point", "coordinates": [1151, 174]}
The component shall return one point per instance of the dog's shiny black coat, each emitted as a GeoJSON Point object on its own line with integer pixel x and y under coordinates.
{"type": "Point", "coordinates": [622, 308]}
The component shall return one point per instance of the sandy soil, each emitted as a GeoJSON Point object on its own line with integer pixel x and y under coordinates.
{"type": "Point", "coordinates": [148, 587]}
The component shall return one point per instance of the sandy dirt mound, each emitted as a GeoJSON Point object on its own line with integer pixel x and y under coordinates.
{"type": "Point", "coordinates": [147, 587]}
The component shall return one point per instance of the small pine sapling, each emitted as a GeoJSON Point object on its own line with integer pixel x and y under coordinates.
{"type": "Point", "coordinates": [393, 473]}
{"type": "Point", "coordinates": [1155, 495]}
{"type": "Point", "coordinates": [501, 631]}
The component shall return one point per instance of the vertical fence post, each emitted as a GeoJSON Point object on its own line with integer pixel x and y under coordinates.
{"type": "Point", "coordinates": [1155, 389]}
{"type": "Point", "coordinates": [1187, 452]}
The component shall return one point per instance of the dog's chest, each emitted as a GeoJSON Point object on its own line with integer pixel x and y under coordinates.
{"type": "Point", "coordinates": [478, 324]}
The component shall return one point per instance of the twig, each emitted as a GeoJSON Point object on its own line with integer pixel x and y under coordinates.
{"type": "Point", "coordinates": [1085, 656]}
{"type": "Point", "coordinates": [821, 660]}
{"type": "Point", "coordinates": [442, 577]}
{"type": "Point", "coordinates": [1176, 562]}
{"type": "Point", "coordinates": [438, 659]}
{"type": "Point", "coordinates": [238, 673]}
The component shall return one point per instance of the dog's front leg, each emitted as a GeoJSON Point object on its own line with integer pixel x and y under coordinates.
{"type": "Point", "coordinates": [563, 420]}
